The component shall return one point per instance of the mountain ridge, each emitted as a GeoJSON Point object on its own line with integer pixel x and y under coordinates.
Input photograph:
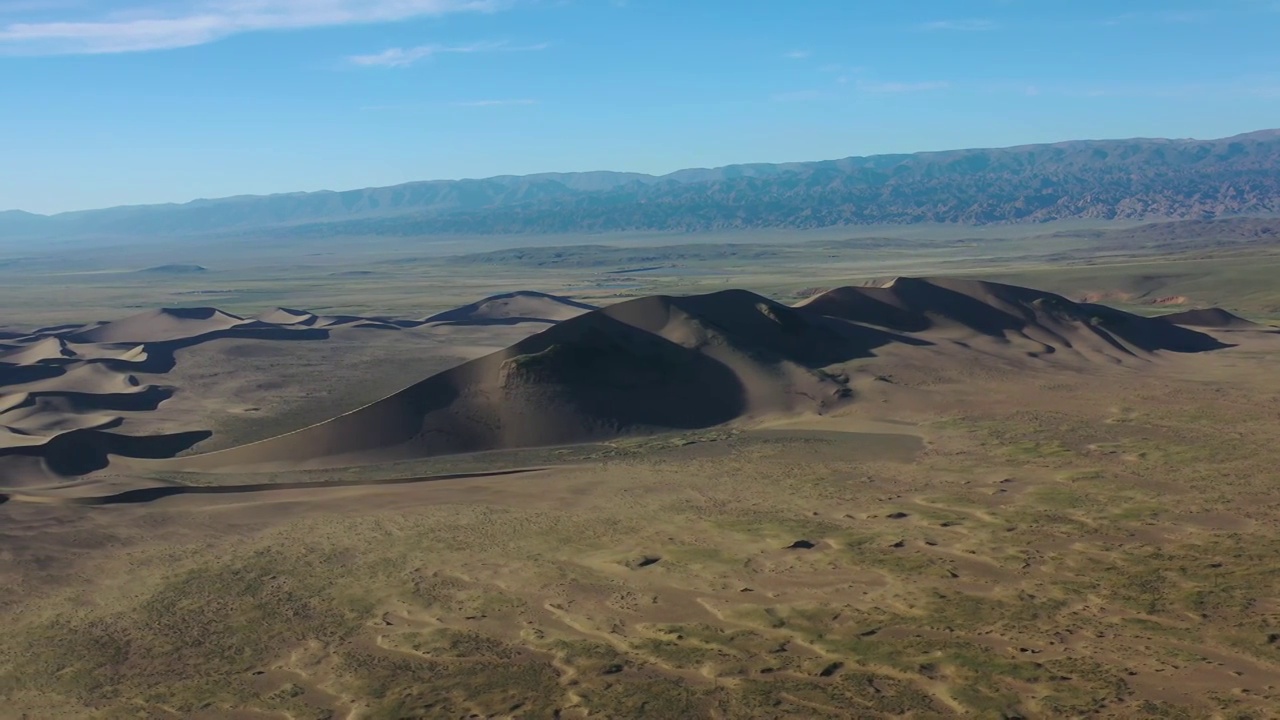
{"type": "Point", "coordinates": [1130, 179]}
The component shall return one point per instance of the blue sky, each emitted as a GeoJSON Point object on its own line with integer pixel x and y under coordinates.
{"type": "Point", "coordinates": [108, 102]}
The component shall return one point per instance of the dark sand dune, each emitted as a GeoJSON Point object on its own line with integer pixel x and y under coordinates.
{"type": "Point", "coordinates": [642, 366]}
{"type": "Point", "coordinates": [56, 352]}
{"type": "Point", "coordinates": [920, 305]}
{"type": "Point", "coordinates": [522, 306]}
{"type": "Point", "coordinates": [662, 363]}
{"type": "Point", "coordinates": [49, 348]}
{"type": "Point", "coordinates": [85, 377]}
{"type": "Point", "coordinates": [58, 391]}
{"type": "Point", "coordinates": [81, 452]}
{"type": "Point", "coordinates": [60, 386]}
{"type": "Point", "coordinates": [655, 363]}
{"type": "Point", "coordinates": [869, 305]}
{"type": "Point", "coordinates": [70, 402]}
{"type": "Point", "coordinates": [164, 325]}
{"type": "Point", "coordinates": [1211, 318]}
{"type": "Point", "coordinates": [288, 316]}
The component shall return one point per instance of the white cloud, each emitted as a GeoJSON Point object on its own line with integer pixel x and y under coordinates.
{"type": "Point", "coordinates": [902, 87]}
{"type": "Point", "coordinates": [203, 21]}
{"type": "Point", "coordinates": [960, 25]}
{"type": "Point", "coordinates": [404, 57]}
{"type": "Point", "coordinates": [797, 55]}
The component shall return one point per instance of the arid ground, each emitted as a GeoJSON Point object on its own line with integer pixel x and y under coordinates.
{"type": "Point", "coordinates": [759, 481]}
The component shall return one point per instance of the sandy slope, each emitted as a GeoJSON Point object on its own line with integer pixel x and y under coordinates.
{"type": "Point", "coordinates": [164, 325]}
{"type": "Point", "coordinates": [641, 366]}
{"type": "Point", "coordinates": [661, 363]}
{"type": "Point", "coordinates": [523, 306]}
{"type": "Point", "coordinates": [66, 391]}
{"type": "Point", "coordinates": [1211, 318]}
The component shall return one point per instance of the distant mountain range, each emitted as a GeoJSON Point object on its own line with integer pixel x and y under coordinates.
{"type": "Point", "coordinates": [1108, 179]}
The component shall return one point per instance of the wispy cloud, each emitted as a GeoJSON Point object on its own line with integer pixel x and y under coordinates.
{"type": "Point", "coordinates": [494, 103]}
{"type": "Point", "coordinates": [960, 25]}
{"type": "Point", "coordinates": [196, 22]}
{"type": "Point", "coordinates": [404, 57]}
{"type": "Point", "coordinates": [797, 55]}
{"type": "Point", "coordinates": [901, 87]}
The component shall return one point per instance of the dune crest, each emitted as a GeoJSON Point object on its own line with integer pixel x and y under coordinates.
{"type": "Point", "coordinates": [1210, 318]}
{"type": "Point", "coordinates": [163, 325]}
{"type": "Point", "coordinates": [962, 307]}
{"type": "Point", "coordinates": [520, 306]}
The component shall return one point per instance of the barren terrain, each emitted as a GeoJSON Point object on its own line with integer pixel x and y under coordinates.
{"type": "Point", "coordinates": [827, 495]}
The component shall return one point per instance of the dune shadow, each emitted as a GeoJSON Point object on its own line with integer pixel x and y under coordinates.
{"type": "Point", "coordinates": [575, 382]}
{"type": "Point", "coordinates": [1150, 334]}
{"type": "Point", "coordinates": [11, 374]}
{"type": "Point", "coordinates": [623, 377]}
{"type": "Point", "coordinates": [145, 400]}
{"type": "Point", "coordinates": [911, 305]}
{"type": "Point", "coordinates": [161, 356]}
{"type": "Point", "coordinates": [773, 332]}
{"type": "Point", "coordinates": [80, 452]}
{"type": "Point", "coordinates": [487, 322]}
{"type": "Point", "coordinates": [147, 495]}
{"type": "Point", "coordinates": [860, 305]}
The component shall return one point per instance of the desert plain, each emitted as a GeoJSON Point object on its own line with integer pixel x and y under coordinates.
{"type": "Point", "coordinates": [781, 475]}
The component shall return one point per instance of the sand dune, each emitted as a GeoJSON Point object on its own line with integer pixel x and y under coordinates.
{"type": "Point", "coordinates": [288, 316]}
{"type": "Point", "coordinates": [641, 366]}
{"type": "Point", "coordinates": [61, 386]}
{"type": "Point", "coordinates": [56, 351]}
{"type": "Point", "coordinates": [522, 306]}
{"type": "Point", "coordinates": [81, 452]}
{"type": "Point", "coordinates": [649, 364]}
{"type": "Point", "coordinates": [1005, 312]}
{"type": "Point", "coordinates": [166, 324]}
{"type": "Point", "coordinates": [49, 348]}
{"type": "Point", "coordinates": [1210, 318]}
{"type": "Point", "coordinates": [661, 363]}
